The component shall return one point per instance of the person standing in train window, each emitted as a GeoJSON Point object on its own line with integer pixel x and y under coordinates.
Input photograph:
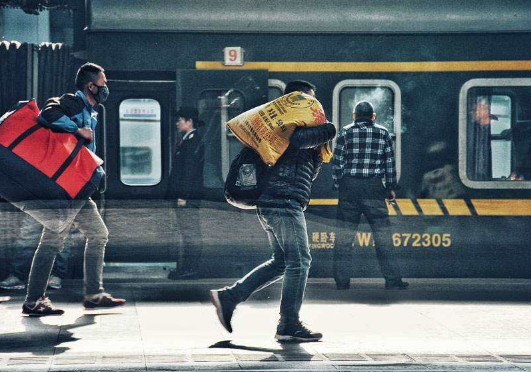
{"type": "Point", "coordinates": [185, 187]}
{"type": "Point", "coordinates": [74, 113]}
{"type": "Point", "coordinates": [363, 156]}
{"type": "Point", "coordinates": [280, 210]}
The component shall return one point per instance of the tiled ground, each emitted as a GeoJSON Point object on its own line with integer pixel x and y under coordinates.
{"type": "Point", "coordinates": [437, 325]}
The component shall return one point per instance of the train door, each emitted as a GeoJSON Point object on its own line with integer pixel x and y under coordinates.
{"type": "Point", "coordinates": [219, 96]}
{"type": "Point", "coordinates": [136, 136]}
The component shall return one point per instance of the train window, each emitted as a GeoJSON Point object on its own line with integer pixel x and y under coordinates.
{"type": "Point", "coordinates": [495, 133]}
{"type": "Point", "coordinates": [275, 89]}
{"type": "Point", "coordinates": [140, 142]}
{"type": "Point", "coordinates": [383, 94]}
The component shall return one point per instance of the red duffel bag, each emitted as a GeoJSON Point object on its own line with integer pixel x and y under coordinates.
{"type": "Point", "coordinates": [45, 173]}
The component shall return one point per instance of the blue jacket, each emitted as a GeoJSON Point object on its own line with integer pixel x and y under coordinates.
{"type": "Point", "coordinates": [68, 113]}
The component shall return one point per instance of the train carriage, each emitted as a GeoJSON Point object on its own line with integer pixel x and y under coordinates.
{"type": "Point", "coordinates": [450, 80]}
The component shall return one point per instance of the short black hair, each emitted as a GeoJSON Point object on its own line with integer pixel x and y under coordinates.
{"type": "Point", "coordinates": [299, 85]}
{"type": "Point", "coordinates": [364, 110]}
{"type": "Point", "coordinates": [188, 113]}
{"type": "Point", "coordinates": [87, 73]}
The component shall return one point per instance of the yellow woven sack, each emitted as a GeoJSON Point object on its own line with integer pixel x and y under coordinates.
{"type": "Point", "coordinates": [268, 128]}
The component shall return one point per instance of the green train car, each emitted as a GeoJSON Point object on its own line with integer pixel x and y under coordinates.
{"type": "Point", "coordinates": [450, 80]}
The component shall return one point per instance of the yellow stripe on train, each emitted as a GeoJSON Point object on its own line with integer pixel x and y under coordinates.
{"type": "Point", "coordinates": [502, 207]}
{"type": "Point", "coordinates": [453, 207]}
{"type": "Point", "coordinates": [434, 66]}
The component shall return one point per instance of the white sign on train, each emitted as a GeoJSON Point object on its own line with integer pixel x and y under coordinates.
{"type": "Point", "coordinates": [233, 56]}
{"type": "Point", "coordinates": [135, 109]}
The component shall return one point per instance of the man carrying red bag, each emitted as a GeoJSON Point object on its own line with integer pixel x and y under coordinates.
{"type": "Point", "coordinates": [74, 113]}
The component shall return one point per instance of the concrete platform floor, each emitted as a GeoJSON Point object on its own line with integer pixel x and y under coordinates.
{"type": "Point", "coordinates": [436, 325]}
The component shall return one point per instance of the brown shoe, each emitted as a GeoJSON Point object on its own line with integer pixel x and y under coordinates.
{"type": "Point", "coordinates": [103, 300]}
{"type": "Point", "coordinates": [42, 307]}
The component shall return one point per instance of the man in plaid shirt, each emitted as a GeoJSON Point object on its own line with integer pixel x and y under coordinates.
{"type": "Point", "coordinates": [363, 158]}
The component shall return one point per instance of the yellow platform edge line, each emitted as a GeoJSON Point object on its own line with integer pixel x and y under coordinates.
{"type": "Point", "coordinates": [455, 207]}
{"type": "Point", "coordinates": [437, 66]}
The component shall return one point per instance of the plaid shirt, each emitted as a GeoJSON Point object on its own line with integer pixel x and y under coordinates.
{"type": "Point", "coordinates": [364, 149]}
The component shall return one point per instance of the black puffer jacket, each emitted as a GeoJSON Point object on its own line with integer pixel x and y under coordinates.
{"type": "Point", "coordinates": [293, 174]}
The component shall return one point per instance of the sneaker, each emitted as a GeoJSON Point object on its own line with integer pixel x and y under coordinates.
{"type": "Point", "coordinates": [224, 307]}
{"type": "Point", "coordinates": [42, 307]}
{"type": "Point", "coordinates": [396, 284]}
{"type": "Point", "coordinates": [297, 332]}
{"type": "Point", "coordinates": [54, 282]}
{"type": "Point", "coordinates": [102, 300]}
{"type": "Point", "coordinates": [12, 282]}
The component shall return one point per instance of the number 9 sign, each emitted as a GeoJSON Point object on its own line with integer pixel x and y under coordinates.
{"type": "Point", "coordinates": [233, 56]}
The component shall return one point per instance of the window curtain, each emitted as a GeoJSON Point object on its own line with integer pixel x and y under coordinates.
{"type": "Point", "coordinates": [14, 74]}
{"type": "Point", "coordinates": [18, 80]}
{"type": "Point", "coordinates": [479, 150]}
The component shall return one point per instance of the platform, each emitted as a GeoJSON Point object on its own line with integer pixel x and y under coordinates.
{"type": "Point", "coordinates": [436, 325]}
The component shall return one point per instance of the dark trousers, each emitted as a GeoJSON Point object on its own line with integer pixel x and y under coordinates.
{"type": "Point", "coordinates": [188, 225]}
{"type": "Point", "coordinates": [365, 196]}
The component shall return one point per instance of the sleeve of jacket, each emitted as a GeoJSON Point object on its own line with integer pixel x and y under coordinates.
{"type": "Point", "coordinates": [189, 185]}
{"type": "Point", "coordinates": [338, 161]}
{"type": "Point", "coordinates": [317, 163]}
{"type": "Point", "coordinates": [310, 137]}
{"type": "Point", "coordinates": [58, 112]}
{"type": "Point", "coordinates": [390, 167]}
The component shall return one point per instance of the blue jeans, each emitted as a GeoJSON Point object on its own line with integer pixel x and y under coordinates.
{"type": "Point", "coordinates": [285, 226]}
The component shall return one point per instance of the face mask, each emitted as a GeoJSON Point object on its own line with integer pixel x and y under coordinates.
{"type": "Point", "coordinates": [103, 93]}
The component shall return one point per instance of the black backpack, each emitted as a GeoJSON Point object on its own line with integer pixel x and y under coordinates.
{"type": "Point", "coordinates": [246, 179]}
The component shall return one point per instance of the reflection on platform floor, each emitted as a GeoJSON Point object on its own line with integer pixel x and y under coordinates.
{"type": "Point", "coordinates": [447, 324]}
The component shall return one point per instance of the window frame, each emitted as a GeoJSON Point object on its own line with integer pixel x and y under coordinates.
{"type": "Point", "coordinates": [119, 163]}
{"type": "Point", "coordinates": [462, 141]}
{"type": "Point", "coordinates": [276, 83]}
{"type": "Point", "coordinates": [225, 131]}
{"type": "Point", "coordinates": [397, 110]}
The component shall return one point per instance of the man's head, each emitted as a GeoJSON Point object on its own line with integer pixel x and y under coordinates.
{"type": "Point", "coordinates": [364, 111]}
{"type": "Point", "coordinates": [301, 86]}
{"type": "Point", "coordinates": [91, 80]}
{"type": "Point", "coordinates": [187, 119]}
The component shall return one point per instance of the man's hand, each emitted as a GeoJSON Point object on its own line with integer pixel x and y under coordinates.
{"type": "Point", "coordinates": [85, 133]}
{"type": "Point", "coordinates": [181, 203]}
{"type": "Point", "coordinates": [391, 197]}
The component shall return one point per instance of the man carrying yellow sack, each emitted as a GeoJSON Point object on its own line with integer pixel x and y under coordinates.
{"type": "Point", "coordinates": [268, 128]}
{"type": "Point", "coordinates": [280, 211]}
